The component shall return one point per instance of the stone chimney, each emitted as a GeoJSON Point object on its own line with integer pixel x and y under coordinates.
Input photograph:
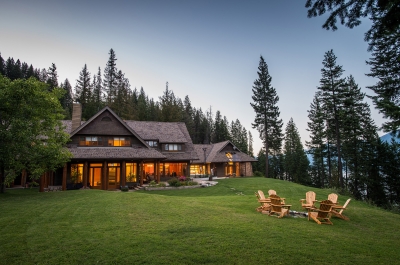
{"type": "Point", "coordinates": [76, 116]}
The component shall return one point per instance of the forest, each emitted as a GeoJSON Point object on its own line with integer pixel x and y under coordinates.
{"type": "Point", "coordinates": [345, 149]}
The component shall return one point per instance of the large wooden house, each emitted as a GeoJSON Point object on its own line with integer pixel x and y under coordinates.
{"type": "Point", "coordinates": [109, 153]}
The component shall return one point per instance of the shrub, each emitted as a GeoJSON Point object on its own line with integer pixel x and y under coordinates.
{"type": "Point", "coordinates": [182, 178]}
{"type": "Point", "coordinates": [124, 188]}
{"type": "Point", "coordinates": [152, 184]}
{"type": "Point", "coordinates": [174, 182]}
{"type": "Point", "coordinates": [258, 174]}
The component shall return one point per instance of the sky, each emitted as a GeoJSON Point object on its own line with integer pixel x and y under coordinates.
{"type": "Point", "coordinates": [208, 49]}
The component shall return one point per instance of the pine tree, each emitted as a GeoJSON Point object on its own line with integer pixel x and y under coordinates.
{"type": "Point", "coordinates": [30, 72]}
{"type": "Point", "coordinates": [188, 116]}
{"type": "Point", "coordinates": [317, 144]}
{"type": "Point", "coordinates": [66, 100]}
{"type": "Point", "coordinates": [267, 120]}
{"type": "Point", "coordinates": [110, 78]}
{"type": "Point", "coordinates": [97, 96]}
{"type": "Point", "coordinates": [331, 87]}
{"type": "Point", "coordinates": [9, 68]}
{"type": "Point", "coordinates": [2, 66]}
{"type": "Point", "coordinates": [385, 66]}
{"type": "Point", "coordinates": [52, 77]}
{"type": "Point", "coordinates": [295, 159]}
{"type": "Point", "coordinates": [251, 150]}
{"type": "Point", "coordinates": [83, 91]}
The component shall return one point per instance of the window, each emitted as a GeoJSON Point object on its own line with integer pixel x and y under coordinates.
{"type": "Point", "coordinates": [173, 147]}
{"type": "Point", "coordinates": [152, 143]}
{"type": "Point", "coordinates": [90, 141]}
{"type": "Point", "coordinates": [119, 141]}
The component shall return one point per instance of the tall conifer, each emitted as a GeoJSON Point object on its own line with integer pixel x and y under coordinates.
{"type": "Point", "coordinates": [267, 120]}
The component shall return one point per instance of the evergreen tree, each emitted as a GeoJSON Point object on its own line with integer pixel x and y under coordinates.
{"type": "Point", "coordinates": [9, 68]}
{"type": "Point", "coordinates": [17, 71]}
{"type": "Point", "coordinates": [83, 91]}
{"type": "Point", "coordinates": [110, 78]}
{"type": "Point", "coordinates": [30, 72]}
{"type": "Point", "coordinates": [2, 66]}
{"type": "Point", "coordinates": [267, 120]}
{"type": "Point", "coordinates": [385, 66]}
{"type": "Point", "coordinates": [52, 77]}
{"type": "Point", "coordinates": [251, 150]}
{"type": "Point", "coordinates": [295, 159]}
{"type": "Point", "coordinates": [317, 144]}
{"type": "Point", "coordinates": [66, 99]}
{"type": "Point", "coordinates": [331, 87]}
{"type": "Point", "coordinates": [97, 96]}
{"type": "Point", "coordinates": [188, 116]}
{"type": "Point", "coordinates": [142, 106]}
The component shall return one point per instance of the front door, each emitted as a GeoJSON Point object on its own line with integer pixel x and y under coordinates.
{"type": "Point", "coordinates": [95, 173]}
{"type": "Point", "coordinates": [113, 176]}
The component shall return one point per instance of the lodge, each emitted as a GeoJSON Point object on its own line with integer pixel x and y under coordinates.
{"type": "Point", "coordinates": [109, 153]}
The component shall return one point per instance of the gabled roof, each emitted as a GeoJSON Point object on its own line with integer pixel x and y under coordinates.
{"type": "Point", "coordinates": [83, 125]}
{"type": "Point", "coordinates": [164, 132]}
{"type": "Point", "coordinates": [115, 153]}
{"type": "Point", "coordinates": [214, 153]}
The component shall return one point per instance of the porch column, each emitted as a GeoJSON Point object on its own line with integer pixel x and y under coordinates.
{"type": "Point", "coordinates": [187, 170]}
{"type": "Point", "coordinates": [104, 176]}
{"type": "Point", "coordinates": [85, 174]}
{"type": "Point", "coordinates": [157, 173]}
{"type": "Point", "coordinates": [123, 173]}
{"type": "Point", "coordinates": [141, 173]}
{"type": "Point", "coordinates": [64, 179]}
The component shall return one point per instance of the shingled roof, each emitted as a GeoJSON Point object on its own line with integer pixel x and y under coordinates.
{"type": "Point", "coordinates": [214, 154]}
{"type": "Point", "coordinates": [115, 153]}
{"type": "Point", "coordinates": [163, 132]}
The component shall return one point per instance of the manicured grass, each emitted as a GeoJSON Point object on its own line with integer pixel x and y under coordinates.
{"type": "Point", "coordinates": [214, 225]}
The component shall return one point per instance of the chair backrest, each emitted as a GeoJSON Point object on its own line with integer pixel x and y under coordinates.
{"type": "Point", "coordinates": [344, 206]}
{"type": "Point", "coordinates": [261, 195]}
{"type": "Point", "coordinates": [276, 203]}
{"type": "Point", "coordinates": [310, 197]}
{"type": "Point", "coordinates": [271, 192]}
{"type": "Point", "coordinates": [333, 197]}
{"type": "Point", "coordinates": [325, 209]}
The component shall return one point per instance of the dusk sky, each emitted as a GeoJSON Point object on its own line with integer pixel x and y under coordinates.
{"type": "Point", "coordinates": [208, 50]}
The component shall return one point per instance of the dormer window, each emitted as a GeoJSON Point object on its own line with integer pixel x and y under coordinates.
{"type": "Point", "coordinates": [173, 147]}
{"type": "Point", "coordinates": [152, 143]}
{"type": "Point", "coordinates": [119, 141]}
{"type": "Point", "coordinates": [90, 141]}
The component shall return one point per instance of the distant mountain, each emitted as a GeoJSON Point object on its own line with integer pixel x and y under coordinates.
{"type": "Point", "coordinates": [388, 138]}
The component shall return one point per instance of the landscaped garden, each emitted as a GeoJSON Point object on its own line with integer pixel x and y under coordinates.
{"type": "Point", "coordinates": [212, 225]}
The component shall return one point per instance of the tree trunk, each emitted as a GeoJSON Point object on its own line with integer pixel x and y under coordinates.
{"type": "Point", "coordinates": [2, 179]}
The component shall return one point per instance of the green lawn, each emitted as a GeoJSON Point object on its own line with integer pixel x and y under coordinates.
{"type": "Point", "coordinates": [214, 225]}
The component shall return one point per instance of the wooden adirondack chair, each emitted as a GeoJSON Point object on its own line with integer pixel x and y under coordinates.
{"type": "Point", "coordinates": [333, 197]}
{"type": "Point", "coordinates": [338, 210]}
{"type": "Point", "coordinates": [323, 214]}
{"type": "Point", "coordinates": [265, 202]}
{"type": "Point", "coordinates": [273, 192]}
{"type": "Point", "coordinates": [277, 207]}
{"type": "Point", "coordinates": [309, 201]}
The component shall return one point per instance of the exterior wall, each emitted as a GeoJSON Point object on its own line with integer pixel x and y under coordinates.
{"type": "Point", "coordinates": [246, 169]}
{"type": "Point", "coordinates": [112, 127]}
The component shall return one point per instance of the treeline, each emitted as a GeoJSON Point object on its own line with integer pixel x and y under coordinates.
{"type": "Point", "coordinates": [111, 88]}
{"type": "Point", "coordinates": [347, 153]}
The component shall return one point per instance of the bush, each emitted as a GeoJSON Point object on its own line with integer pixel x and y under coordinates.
{"type": "Point", "coordinates": [124, 188]}
{"type": "Point", "coordinates": [258, 174]}
{"type": "Point", "coordinates": [174, 182]}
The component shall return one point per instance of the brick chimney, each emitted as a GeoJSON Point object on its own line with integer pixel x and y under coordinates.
{"type": "Point", "coordinates": [76, 116]}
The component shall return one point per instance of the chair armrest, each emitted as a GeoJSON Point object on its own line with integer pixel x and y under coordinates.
{"type": "Point", "coordinates": [302, 200]}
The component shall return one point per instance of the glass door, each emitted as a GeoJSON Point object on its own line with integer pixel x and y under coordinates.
{"type": "Point", "coordinates": [113, 175]}
{"type": "Point", "coordinates": [95, 173]}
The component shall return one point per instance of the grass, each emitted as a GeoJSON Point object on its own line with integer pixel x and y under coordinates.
{"type": "Point", "coordinates": [214, 225]}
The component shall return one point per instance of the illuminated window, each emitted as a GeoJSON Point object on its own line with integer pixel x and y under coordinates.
{"type": "Point", "coordinates": [119, 141]}
{"type": "Point", "coordinates": [173, 147]}
{"type": "Point", "coordinates": [90, 141]}
{"type": "Point", "coordinates": [131, 175]}
{"type": "Point", "coordinates": [76, 173]}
